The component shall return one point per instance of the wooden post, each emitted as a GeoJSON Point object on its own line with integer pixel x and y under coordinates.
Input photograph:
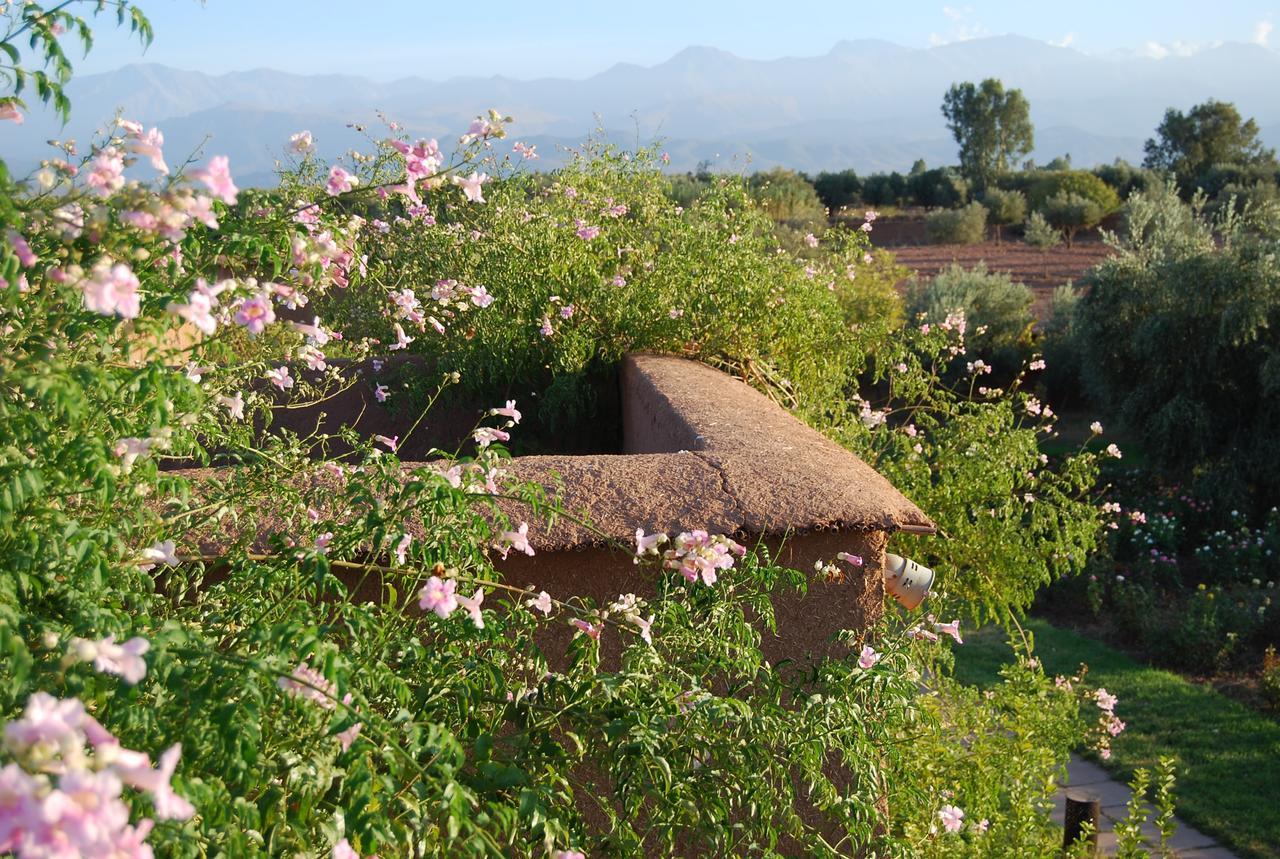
{"type": "Point", "coordinates": [1082, 808]}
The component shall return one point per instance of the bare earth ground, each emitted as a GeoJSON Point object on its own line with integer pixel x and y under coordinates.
{"type": "Point", "coordinates": [1043, 271]}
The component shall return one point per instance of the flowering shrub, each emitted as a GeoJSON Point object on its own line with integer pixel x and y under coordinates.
{"type": "Point", "coordinates": [320, 641]}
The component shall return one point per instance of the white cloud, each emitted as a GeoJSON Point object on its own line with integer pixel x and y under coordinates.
{"type": "Point", "coordinates": [962, 28]}
{"type": "Point", "coordinates": [1064, 42]}
{"type": "Point", "coordinates": [1178, 48]}
{"type": "Point", "coordinates": [1262, 33]}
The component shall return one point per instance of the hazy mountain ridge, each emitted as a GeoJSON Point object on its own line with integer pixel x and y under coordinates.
{"type": "Point", "coordinates": [866, 104]}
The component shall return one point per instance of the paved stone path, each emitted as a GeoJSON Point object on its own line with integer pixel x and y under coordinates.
{"type": "Point", "coordinates": [1089, 778]}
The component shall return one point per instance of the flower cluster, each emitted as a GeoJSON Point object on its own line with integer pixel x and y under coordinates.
{"type": "Point", "coordinates": [698, 555]}
{"type": "Point", "coordinates": [64, 793]}
{"type": "Point", "coordinates": [1109, 725]}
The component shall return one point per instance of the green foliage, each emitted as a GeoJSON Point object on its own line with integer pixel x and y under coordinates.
{"type": "Point", "coordinates": [991, 125]}
{"type": "Point", "coordinates": [1074, 182]}
{"type": "Point", "coordinates": [838, 190]}
{"type": "Point", "coordinates": [1039, 233]}
{"type": "Point", "coordinates": [963, 226]}
{"type": "Point", "coordinates": [1003, 207]}
{"type": "Point", "coordinates": [942, 187]}
{"type": "Point", "coordinates": [1177, 340]}
{"type": "Point", "coordinates": [997, 309]}
{"type": "Point", "coordinates": [788, 198]}
{"type": "Point", "coordinates": [1070, 213]}
{"type": "Point", "coordinates": [1188, 145]}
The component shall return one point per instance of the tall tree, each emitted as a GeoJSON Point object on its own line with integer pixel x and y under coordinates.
{"type": "Point", "coordinates": [992, 126]}
{"type": "Point", "coordinates": [1208, 134]}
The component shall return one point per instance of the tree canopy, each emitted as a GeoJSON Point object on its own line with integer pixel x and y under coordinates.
{"type": "Point", "coordinates": [1189, 144]}
{"type": "Point", "coordinates": [992, 126]}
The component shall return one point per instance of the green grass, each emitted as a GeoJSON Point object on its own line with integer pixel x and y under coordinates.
{"type": "Point", "coordinates": [1228, 756]}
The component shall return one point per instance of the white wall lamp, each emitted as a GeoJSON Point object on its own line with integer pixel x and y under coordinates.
{"type": "Point", "coordinates": [906, 581]}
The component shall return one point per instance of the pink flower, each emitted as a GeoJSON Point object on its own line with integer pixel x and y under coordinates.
{"type": "Point", "coordinates": [542, 602]}
{"type": "Point", "coordinates": [122, 660]}
{"type": "Point", "coordinates": [9, 113]}
{"type": "Point", "coordinates": [675, 313]}
{"type": "Point", "coordinates": [566, 312]}
{"type": "Point", "coordinates": [1096, 428]}
{"type": "Point", "coordinates": [545, 328]}
{"type": "Point", "coordinates": [134, 769]}
{"type": "Point", "coordinates": [149, 145]}
{"type": "Point", "coordinates": [217, 178]}
{"type": "Point", "coordinates": [310, 685]}
{"type": "Point", "coordinates": [980, 828]}
{"type": "Point", "coordinates": [587, 232]}
{"type": "Point", "coordinates": [811, 240]}
{"type": "Point", "coordinates": [301, 142]}
{"type": "Point", "coordinates": [381, 392]}
{"type": "Point", "coordinates": [472, 605]}
{"type": "Point", "coordinates": [106, 171]}
{"type": "Point", "coordinates": [112, 288]}
{"type": "Point", "coordinates": [855, 560]}
{"type": "Point", "coordinates": [525, 151]}
{"type": "Point", "coordinates": [952, 629]}
{"type": "Point", "coordinates": [952, 818]}
{"type": "Point", "coordinates": [21, 249]}
{"type": "Point", "coordinates": [279, 377]}
{"type": "Point", "coordinates": [163, 552]}
{"type": "Point", "coordinates": [1113, 451]}
{"type": "Point", "coordinates": [1037, 364]}
{"type": "Point", "coordinates": [575, 854]}
{"type": "Point", "coordinates": [344, 850]}
{"type": "Point", "coordinates": [402, 339]}
{"type": "Point", "coordinates": [591, 629]}
{"type": "Point", "coordinates": [255, 313]}
{"type": "Point", "coordinates": [391, 442]}
{"type": "Point", "coordinates": [917, 633]}
{"type": "Point", "coordinates": [439, 595]}
{"type": "Point", "coordinates": [486, 436]}
{"type": "Point", "coordinates": [198, 310]}
{"type": "Point", "coordinates": [472, 186]}
{"type": "Point", "coordinates": [234, 405]}
{"type": "Point", "coordinates": [644, 626]}
{"type": "Point", "coordinates": [868, 657]}
{"type": "Point", "coordinates": [340, 181]}
{"type": "Point", "coordinates": [509, 410]}
{"type": "Point", "coordinates": [517, 539]}
{"type": "Point", "coordinates": [648, 545]}
{"type": "Point", "coordinates": [402, 548]}
{"type": "Point", "coordinates": [1106, 701]}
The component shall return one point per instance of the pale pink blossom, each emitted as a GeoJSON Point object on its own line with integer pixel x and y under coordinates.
{"type": "Point", "coordinates": [279, 376]}
{"type": "Point", "coordinates": [381, 392]}
{"type": "Point", "coordinates": [198, 310]}
{"type": "Point", "coordinates": [855, 560]}
{"type": "Point", "coordinates": [952, 818]}
{"type": "Point", "coordinates": [811, 240]}
{"type": "Point", "coordinates": [952, 629]}
{"type": "Point", "coordinates": [21, 249]}
{"type": "Point", "coordinates": [112, 288]}
{"type": "Point", "coordinates": [542, 602]}
{"type": "Point", "coordinates": [106, 171]}
{"type": "Point", "coordinates": [255, 313]}
{"type": "Point", "coordinates": [439, 595]}
{"type": "Point", "coordinates": [648, 545]}
{"type": "Point", "coordinates": [645, 627]}
{"type": "Point", "coordinates": [472, 186]}
{"type": "Point", "coordinates": [123, 660]}
{"type": "Point", "coordinates": [472, 606]}
{"type": "Point", "coordinates": [545, 328]}
{"type": "Point", "coordinates": [868, 657]}
{"type": "Point", "coordinates": [486, 436]}
{"type": "Point", "coordinates": [131, 449]}
{"type": "Point", "coordinates": [591, 629]}
{"type": "Point", "coordinates": [509, 411]}
{"type": "Point", "coordinates": [234, 405]}
{"type": "Point", "coordinates": [340, 181]}
{"type": "Point", "coordinates": [1106, 701]}
{"type": "Point", "coordinates": [150, 146]}
{"type": "Point", "coordinates": [980, 828]}
{"type": "Point", "coordinates": [391, 442]}
{"type": "Point", "coordinates": [164, 552]}
{"type": "Point", "coordinates": [301, 142]}
{"type": "Point", "coordinates": [525, 151]}
{"type": "Point", "coordinates": [517, 539]}
{"type": "Point", "coordinates": [344, 850]}
{"type": "Point", "coordinates": [9, 113]}
{"type": "Point", "coordinates": [310, 685]}
{"type": "Point", "coordinates": [217, 178]}
{"type": "Point", "coordinates": [586, 232]}
{"type": "Point", "coordinates": [1112, 451]}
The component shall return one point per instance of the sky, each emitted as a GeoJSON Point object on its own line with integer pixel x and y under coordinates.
{"type": "Point", "coordinates": [388, 39]}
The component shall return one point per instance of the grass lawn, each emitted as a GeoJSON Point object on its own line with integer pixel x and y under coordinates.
{"type": "Point", "coordinates": [1228, 756]}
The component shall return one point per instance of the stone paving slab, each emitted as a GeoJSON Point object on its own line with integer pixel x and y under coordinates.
{"type": "Point", "coordinates": [1086, 777]}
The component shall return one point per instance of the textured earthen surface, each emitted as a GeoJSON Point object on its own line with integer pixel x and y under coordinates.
{"type": "Point", "coordinates": [704, 450]}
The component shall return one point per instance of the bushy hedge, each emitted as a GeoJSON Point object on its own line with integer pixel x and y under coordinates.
{"type": "Point", "coordinates": [963, 226]}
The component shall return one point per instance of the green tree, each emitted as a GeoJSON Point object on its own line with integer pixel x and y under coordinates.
{"type": "Point", "coordinates": [1004, 207]}
{"type": "Point", "coordinates": [1071, 213]}
{"type": "Point", "coordinates": [1210, 133]}
{"type": "Point", "coordinates": [992, 126]}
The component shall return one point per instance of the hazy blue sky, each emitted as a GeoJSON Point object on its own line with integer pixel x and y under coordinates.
{"type": "Point", "coordinates": [385, 39]}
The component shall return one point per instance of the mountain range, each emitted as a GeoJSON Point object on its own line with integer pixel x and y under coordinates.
{"type": "Point", "coordinates": [866, 104]}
